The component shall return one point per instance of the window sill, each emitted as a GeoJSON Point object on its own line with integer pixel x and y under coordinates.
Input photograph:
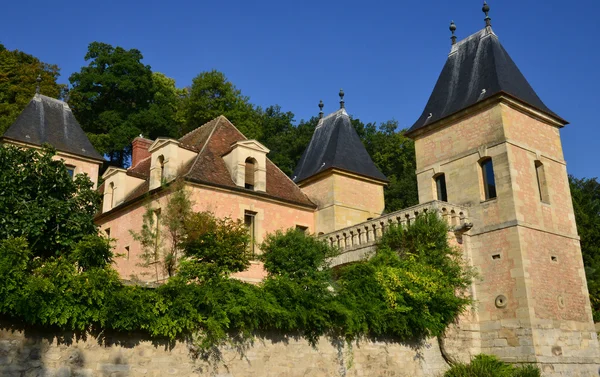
{"type": "Point", "coordinates": [487, 201]}
{"type": "Point", "coordinates": [546, 204]}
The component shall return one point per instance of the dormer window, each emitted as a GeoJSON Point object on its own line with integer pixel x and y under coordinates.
{"type": "Point", "coordinates": [247, 164]}
{"type": "Point", "coordinates": [249, 173]}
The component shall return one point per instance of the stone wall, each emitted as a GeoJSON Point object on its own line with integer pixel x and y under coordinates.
{"type": "Point", "coordinates": [34, 353]}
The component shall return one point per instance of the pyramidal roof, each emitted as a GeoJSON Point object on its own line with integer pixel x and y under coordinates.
{"type": "Point", "coordinates": [336, 145]}
{"type": "Point", "coordinates": [48, 120]}
{"type": "Point", "coordinates": [478, 68]}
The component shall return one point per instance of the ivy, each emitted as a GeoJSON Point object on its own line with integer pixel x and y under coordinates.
{"type": "Point", "coordinates": [412, 287]}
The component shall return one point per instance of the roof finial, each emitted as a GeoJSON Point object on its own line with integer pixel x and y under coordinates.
{"type": "Point", "coordinates": [453, 29]}
{"type": "Point", "coordinates": [342, 99]}
{"type": "Point", "coordinates": [486, 10]}
{"type": "Point", "coordinates": [321, 109]}
{"type": "Point", "coordinates": [37, 87]}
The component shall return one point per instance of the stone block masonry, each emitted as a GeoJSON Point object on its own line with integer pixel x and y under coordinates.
{"type": "Point", "coordinates": [35, 353]}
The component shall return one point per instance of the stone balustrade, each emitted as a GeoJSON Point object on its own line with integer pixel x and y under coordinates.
{"type": "Point", "coordinates": [354, 242]}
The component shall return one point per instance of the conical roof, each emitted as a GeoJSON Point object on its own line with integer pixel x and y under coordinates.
{"type": "Point", "coordinates": [48, 120]}
{"type": "Point", "coordinates": [477, 68]}
{"type": "Point", "coordinates": [336, 145]}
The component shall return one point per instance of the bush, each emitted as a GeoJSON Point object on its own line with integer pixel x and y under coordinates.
{"type": "Point", "coordinates": [490, 366]}
{"type": "Point", "coordinates": [405, 292]}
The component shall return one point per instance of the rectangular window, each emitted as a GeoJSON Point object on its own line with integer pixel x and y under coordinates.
{"type": "Point", "coordinates": [71, 170]}
{"type": "Point", "coordinates": [107, 231]}
{"type": "Point", "coordinates": [541, 181]}
{"type": "Point", "coordinates": [440, 184]}
{"type": "Point", "coordinates": [489, 181]}
{"type": "Point", "coordinates": [250, 222]}
{"type": "Point", "coordinates": [301, 228]}
{"type": "Point", "coordinates": [127, 252]}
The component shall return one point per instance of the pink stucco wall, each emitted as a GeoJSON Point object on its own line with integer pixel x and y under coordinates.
{"type": "Point", "coordinates": [271, 216]}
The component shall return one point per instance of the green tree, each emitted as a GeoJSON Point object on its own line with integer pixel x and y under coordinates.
{"type": "Point", "coordinates": [211, 95]}
{"type": "Point", "coordinates": [586, 204]}
{"type": "Point", "coordinates": [394, 155]}
{"type": "Point", "coordinates": [18, 74]}
{"type": "Point", "coordinates": [116, 97]}
{"type": "Point", "coordinates": [164, 230]}
{"type": "Point", "coordinates": [214, 247]}
{"type": "Point", "coordinates": [42, 203]}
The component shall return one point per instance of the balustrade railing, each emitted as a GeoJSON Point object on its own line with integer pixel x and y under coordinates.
{"type": "Point", "coordinates": [367, 233]}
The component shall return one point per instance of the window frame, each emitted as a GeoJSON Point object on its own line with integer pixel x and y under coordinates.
{"type": "Point", "coordinates": [542, 181]}
{"type": "Point", "coordinates": [250, 223]}
{"type": "Point", "coordinates": [250, 161]}
{"type": "Point", "coordinates": [486, 166]}
{"type": "Point", "coordinates": [441, 190]}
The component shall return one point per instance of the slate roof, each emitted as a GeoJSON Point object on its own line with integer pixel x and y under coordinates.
{"type": "Point", "coordinates": [336, 145]}
{"type": "Point", "coordinates": [477, 68]}
{"type": "Point", "coordinates": [48, 120]}
{"type": "Point", "coordinates": [212, 141]}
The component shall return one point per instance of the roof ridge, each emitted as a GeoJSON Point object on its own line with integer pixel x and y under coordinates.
{"type": "Point", "coordinates": [234, 127]}
{"type": "Point", "coordinates": [139, 162]}
{"type": "Point", "coordinates": [218, 119]}
{"type": "Point", "coordinates": [196, 129]}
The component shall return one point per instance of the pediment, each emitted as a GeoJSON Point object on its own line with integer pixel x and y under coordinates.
{"type": "Point", "coordinates": [112, 170]}
{"type": "Point", "coordinates": [252, 144]}
{"type": "Point", "coordinates": [160, 142]}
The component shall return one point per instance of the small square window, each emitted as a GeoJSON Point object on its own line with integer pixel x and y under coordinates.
{"type": "Point", "coordinates": [71, 170]}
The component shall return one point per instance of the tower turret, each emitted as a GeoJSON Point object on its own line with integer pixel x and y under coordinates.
{"type": "Point", "coordinates": [337, 174]}
{"type": "Point", "coordinates": [497, 147]}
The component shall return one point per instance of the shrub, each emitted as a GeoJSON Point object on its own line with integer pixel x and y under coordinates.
{"type": "Point", "coordinates": [490, 366]}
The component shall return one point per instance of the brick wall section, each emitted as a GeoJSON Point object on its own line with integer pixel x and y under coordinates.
{"type": "Point", "coordinates": [553, 279]}
{"type": "Point", "coordinates": [344, 200]}
{"type": "Point", "coordinates": [460, 137]}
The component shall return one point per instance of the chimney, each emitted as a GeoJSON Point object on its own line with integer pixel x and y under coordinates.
{"type": "Point", "coordinates": [139, 148]}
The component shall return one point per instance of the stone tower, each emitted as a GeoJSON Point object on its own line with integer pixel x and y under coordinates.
{"type": "Point", "coordinates": [487, 141]}
{"type": "Point", "coordinates": [338, 175]}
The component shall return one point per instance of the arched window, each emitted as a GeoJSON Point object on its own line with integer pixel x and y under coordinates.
{"type": "Point", "coordinates": [161, 162]}
{"type": "Point", "coordinates": [440, 187]}
{"type": "Point", "coordinates": [112, 194]}
{"type": "Point", "coordinates": [249, 173]}
{"type": "Point", "coordinates": [541, 181]}
{"type": "Point", "coordinates": [488, 179]}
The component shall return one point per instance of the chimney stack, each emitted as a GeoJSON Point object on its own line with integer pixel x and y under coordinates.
{"type": "Point", "coordinates": [139, 150]}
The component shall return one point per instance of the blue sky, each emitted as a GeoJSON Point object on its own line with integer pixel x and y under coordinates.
{"type": "Point", "coordinates": [387, 55]}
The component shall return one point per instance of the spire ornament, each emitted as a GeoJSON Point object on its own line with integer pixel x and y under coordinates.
{"type": "Point", "coordinates": [37, 87]}
{"type": "Point", "coordinates": [342, 103]}
{"type": "Point", "coordinates": [486, 10]}
{"type": "Point", "coordinates": [321, 109]}
{"type": "Point", "coordinates": [453, 29]}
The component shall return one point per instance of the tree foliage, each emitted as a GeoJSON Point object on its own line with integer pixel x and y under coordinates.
{"type": "Point", "coordinates": [211, 95]}
{"type": "Point", "coordinates": [214, 247]}
{"type": "Point", "coordinates": [18, 74]}
{"type": "Point", "coordinates": [40, 202]}
{"type": "Point", "coordinates": [164, 230]}
{"type": "Point", "coordinates": [406, 291]}
{"type": "Point", "coordinates": [116, 97]}
{"type": "Point", "coordinates": [586, 204]}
